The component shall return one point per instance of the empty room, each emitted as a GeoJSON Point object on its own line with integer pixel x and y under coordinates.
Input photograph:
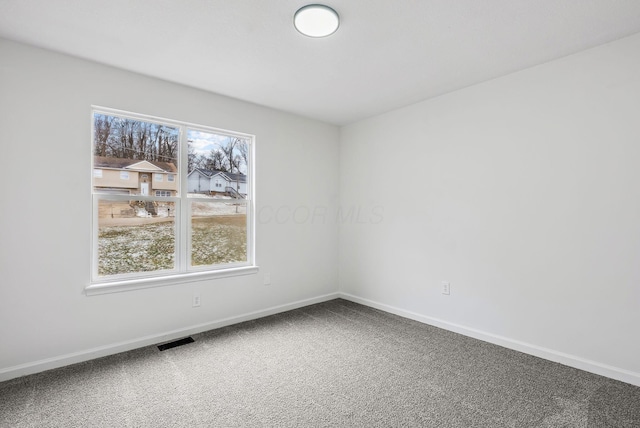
{"type": "Point", "coordinates": [287, 214]}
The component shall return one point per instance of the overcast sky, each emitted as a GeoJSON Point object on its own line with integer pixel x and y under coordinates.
{"type": "Point", "coordinates": [204, 142]}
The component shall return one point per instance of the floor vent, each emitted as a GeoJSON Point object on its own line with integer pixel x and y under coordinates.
{"type": "Point", "coordinates": [175, 343]}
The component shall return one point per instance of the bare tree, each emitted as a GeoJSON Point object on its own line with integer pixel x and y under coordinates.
{"type": "Point", "coordinates": [101, 134]}
{"type": "Point", "coordinates": [216, 160]}
{"type": "Point", "coordinates": [228, 149]}
{"type": "Point", "coordinates": [192, 157]}
{"type": "Point", "coordinates": [133, 139]}
{"type": "Point", "coordinates": [167, 145]}
{"type": "Point", "coordinates": [141, 142]}
{"type": "Point", "coordinates": [243, 149]}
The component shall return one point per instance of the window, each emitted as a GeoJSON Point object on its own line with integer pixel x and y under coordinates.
{"type": "Point", "coordinates": [147, 234]}
{"type": "Point", "coordinates": [97, 173]}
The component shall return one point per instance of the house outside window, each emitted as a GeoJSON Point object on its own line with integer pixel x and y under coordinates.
{"type": "Point", "coordinates": [168, 226]}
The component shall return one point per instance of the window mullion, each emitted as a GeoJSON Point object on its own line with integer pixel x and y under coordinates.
{"type": "Point", "coordinates": [184, 236]}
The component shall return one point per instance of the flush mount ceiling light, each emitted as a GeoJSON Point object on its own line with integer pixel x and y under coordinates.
{"type": "Point", "coordinates": [316, 20]}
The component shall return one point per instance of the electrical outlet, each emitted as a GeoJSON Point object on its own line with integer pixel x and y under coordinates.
{"type": "Point", "coordinates": [196, 300]}
{"type": "Point", "coordinates": [446, 287]}
{"type": "Point", "coordinates": [267, 279]}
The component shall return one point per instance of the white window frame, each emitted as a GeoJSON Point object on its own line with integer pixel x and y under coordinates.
{"type": "Point", "coordinates": [183, 272]}
{"type": "Point", "coordinates": [158, 177]}
{"type": "Point", "coordinates": [124, 175]}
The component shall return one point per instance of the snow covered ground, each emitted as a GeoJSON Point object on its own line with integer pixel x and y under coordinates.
{"type": "Point", "coordinates": [148, 244]}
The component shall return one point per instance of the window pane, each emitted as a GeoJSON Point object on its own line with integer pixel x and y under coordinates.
{"type": "Point", "coordinates": [135, 236]}
{"type": "Point", "coordinates": [218, 232]}
{"type": "Point", "coordinates": [217, 164]}
{"type": "Point", "coordinates": [128, 151]}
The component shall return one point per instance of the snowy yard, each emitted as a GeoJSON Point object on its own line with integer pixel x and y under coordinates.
{"type": "Point", "coordinates": [147, 247]}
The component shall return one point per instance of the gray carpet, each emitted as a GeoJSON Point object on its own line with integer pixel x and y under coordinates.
{"type": "Point", "coordinates": [334, 364]}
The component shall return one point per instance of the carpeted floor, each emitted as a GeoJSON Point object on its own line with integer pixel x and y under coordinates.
{"type": "Point", "coordinates": [334, 364]}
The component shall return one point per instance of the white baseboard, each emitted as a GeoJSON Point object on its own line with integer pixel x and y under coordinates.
{"type": "Point", "coordinates": [538, 351]}
{"type": "Point", "coordinates": [102, 351]}
{"type": "Point", "coordinates": [115, 348]}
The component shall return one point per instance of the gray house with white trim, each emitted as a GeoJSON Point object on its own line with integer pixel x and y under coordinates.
{"type": "Point", "coordinates": [209, 181]}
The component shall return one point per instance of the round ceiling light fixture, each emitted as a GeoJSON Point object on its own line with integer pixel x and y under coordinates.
{"type": "Point", "coordinates": [316, 20]}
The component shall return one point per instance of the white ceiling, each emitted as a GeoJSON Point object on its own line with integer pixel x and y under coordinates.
{"type": "Point", "coordinates": [386, 53]}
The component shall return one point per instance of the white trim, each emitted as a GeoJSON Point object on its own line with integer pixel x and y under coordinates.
{"type": "Point", "coordinates": [538, 351]}
{"type": "Point", "coordinates": [167, 279]}
{"type": "Point", "coordinates": [102, 351]}
{"type": "Point", "coordinates": [115, 348]}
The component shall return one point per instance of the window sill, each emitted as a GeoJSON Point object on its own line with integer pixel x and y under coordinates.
{"type": "Point", "coordinates": [139, 283]}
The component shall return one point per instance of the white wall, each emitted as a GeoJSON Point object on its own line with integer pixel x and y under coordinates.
{"type": "Point", "coordinates": [524, 193]}
{"type": "Point", "coordinates": [45, 319]}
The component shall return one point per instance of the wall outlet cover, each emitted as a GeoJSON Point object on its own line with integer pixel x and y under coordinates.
{"type": "Point", "coordinates": [446, 287]}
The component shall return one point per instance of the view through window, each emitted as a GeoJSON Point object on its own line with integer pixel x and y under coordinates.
{"type": "Point", "coordinates": [169, 198]}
